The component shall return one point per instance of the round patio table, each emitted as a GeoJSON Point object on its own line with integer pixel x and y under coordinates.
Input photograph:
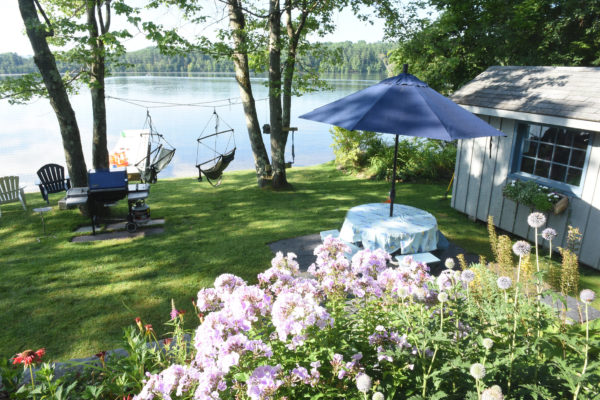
{"type": "Point", "coordinates": [409, 230]}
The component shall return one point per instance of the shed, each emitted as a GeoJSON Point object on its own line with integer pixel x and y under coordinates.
{"type": "Point", "coordinates": [551, 118]}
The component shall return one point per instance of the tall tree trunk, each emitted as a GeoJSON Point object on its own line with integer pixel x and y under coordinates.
{"type": "Point", "coordinates": [242, 75]}
{"type": "Point", "coordinates": [275, 109]}
{"type": "Point", "coordinates": [97, 67]}
{"type": "Point", "coordinates": [59, 100]}
{"type": "Point", "coordinates": [290, 62]}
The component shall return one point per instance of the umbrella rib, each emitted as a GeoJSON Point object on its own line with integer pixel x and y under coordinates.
{"type": "Point", "coordinates": [438, 118]}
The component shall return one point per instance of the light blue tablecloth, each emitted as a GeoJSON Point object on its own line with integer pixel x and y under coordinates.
{"type": "Point", "coordinates": [410, 230]}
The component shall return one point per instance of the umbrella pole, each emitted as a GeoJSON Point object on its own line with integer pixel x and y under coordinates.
{"type": "Point", "coordinates": [393, 191]}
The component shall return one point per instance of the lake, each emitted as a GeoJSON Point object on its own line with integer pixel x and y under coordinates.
{"type": "Point", "coordinates": [31, 138]}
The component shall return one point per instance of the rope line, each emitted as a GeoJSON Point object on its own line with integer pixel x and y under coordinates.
{"type": "Point", "coordinates": [164, 104]}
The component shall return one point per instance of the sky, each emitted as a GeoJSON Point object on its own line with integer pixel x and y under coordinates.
{"type": "Point", "coordinates": [13, 38]}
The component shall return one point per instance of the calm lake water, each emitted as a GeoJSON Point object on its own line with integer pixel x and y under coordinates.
{"type": "Point", "coordinates": [30, 135]}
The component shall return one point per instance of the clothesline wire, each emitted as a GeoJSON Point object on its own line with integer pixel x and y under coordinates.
{"type": "Point", "coordinates": [162, 104]}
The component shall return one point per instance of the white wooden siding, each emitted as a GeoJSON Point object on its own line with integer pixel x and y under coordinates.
{"type": "Point", "coordinates": [480, 177]}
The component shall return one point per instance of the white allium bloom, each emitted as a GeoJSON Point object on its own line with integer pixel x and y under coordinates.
{"type": "Point", "coordinates": [487, 343]}
{"type": "Point", "coordinates": [378, 396]}
{"type": "Point", "coordinates": [492, 393]}
{"type": "Point", "coordinates": [477, 371]}
{"type": "Point", "coordinates": [403, 292]}
{"type": "Point", "coordinates": [504, 282]}
{"type": "Point", "coordinates": [536, 219]}
{"type": "Point", "coordinates": [442, 297]}
{"type": "Point", "coordinates": [587, 296]}
{"type": "Point", "coordinates": [363, 382]}
{"type": "Point", "coordinates": [449, 263]}
{"type": "Point", "coordinates": [467, 276]}
{"type": "Point", "coordinates": [521, 248]}
{"type": "Point", "coordinates": [549, 233]}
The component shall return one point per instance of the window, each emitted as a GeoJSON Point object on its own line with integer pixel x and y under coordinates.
{"type": "Point", "coordinates": [554, 155]}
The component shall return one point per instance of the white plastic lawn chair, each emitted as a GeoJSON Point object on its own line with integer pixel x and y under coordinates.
{"type": "Point", "coordinates": [10, 191]}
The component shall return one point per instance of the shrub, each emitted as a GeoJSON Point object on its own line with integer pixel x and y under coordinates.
{"type": "Point", "coordinates": [418, 158]}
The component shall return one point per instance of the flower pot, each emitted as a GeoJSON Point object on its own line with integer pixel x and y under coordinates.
{"type": "Point", "coordinates": [561, 205]}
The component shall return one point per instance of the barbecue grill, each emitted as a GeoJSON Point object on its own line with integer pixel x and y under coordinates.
{"type": "Point", "coordinates": [106, 187]}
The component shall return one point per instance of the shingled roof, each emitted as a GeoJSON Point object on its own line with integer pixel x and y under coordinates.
{"type": "Point", "coordinates": [567, 92]}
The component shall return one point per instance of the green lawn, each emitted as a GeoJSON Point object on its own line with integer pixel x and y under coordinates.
{"type": "Point", "coordinates": [75, 298]}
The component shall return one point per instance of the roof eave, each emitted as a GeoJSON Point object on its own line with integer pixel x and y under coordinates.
{"type": "Point", "coordinates": [536, 118]}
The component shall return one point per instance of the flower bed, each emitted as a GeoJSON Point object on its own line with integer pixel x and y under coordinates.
{"type": "Point", "coordinates": [357, 330]}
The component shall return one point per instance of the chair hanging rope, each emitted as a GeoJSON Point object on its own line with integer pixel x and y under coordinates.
{"type": "Point", "coordinates": [158, 155]}
{"type": "Point", "coordinates": [220, 160]}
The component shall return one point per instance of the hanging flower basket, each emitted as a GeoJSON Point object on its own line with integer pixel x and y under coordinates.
{"type": "Point", "coordinates": [538, 197]}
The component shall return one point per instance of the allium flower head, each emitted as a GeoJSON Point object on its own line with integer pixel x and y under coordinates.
{"type": "Point", "coordinates": [492, 393]}
{"type": "Point", "coordinates": [442, 297]}
{"type": "Point", "coordinates": [521, 248]}
{"type": "Point", "coordinates": [467, 276]}
{"type": "Point", "coordinates": [536, 220]}
{"type": "Point", "coordinates": [449, 263]}
{"type": "Point", "coordinates": [378, 396]}
{"type": "Point", "coordinates": [363, 383]}
{"type": "Point", "coordinates": [477, 371]}
{"type": "Point", "coordinates": [549, 233]}
{"type": "Point", "coordinates": [587, 296]}
{"type": "Point", "coordinates": [504, 282]}
{"type": "Point", "coordinates": [487, 343]}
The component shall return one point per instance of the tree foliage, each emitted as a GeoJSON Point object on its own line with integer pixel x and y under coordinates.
{"type": "Point", "coordinates": [361, 57]}
{"type": "Point", "coordinates": [469, 36]}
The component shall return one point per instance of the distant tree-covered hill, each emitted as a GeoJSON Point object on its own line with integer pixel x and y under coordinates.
{"type": "Point", "coordinates": [355, 57]}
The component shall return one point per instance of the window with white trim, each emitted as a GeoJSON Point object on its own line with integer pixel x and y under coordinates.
{"type": "Point", "coordinates": [554, 155]}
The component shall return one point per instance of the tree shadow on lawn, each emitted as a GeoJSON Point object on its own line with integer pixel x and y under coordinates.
{"type": "Point", "coordinates": [75, 298]}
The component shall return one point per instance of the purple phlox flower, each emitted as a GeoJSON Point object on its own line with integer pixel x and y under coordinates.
{"type": "Point", "coordinates": [246, 303]}
{"type": "Point", "coordinates": [549, 233]}
{"type": "Point", "coordinates": [332, 248]}
{"type": "Point", "coordinates": [170, 381]}
{"type": "Point", "coordinates": [225, 284]}
{"type": "Point", "coordinates": [300, 374]}
{"type": "Point", "coordinates": [281, 274]}
{"type": "Point", "coordinates": [370, 262]}
{"type": "Point", "coordinates": [382, 354]}
{"type": "Point", "coordinates": [208, 300]}
{"type": "Point", "coordinates": [259, 348]}
{"type": "Point", "coordinates": [264, 382]}
{"type": "Point", "coordinates": [337, 361]}
{"type": "Point", "coordinates": [292, 314]}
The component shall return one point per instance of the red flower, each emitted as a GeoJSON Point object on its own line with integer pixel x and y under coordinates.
{"type": "Point", "coordinates": [29, 357]}
{"type": "Point", "coordinates": [101, 355]}
{"type": "Point", "coordinates": [148, 327]}
{"type": "Point", "coordinates": [167, 341]}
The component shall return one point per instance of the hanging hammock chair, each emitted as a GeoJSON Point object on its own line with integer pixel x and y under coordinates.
{"type": "Point", "coordinates": [213, 168]}
{"type": "Point", "coordinates": [158, 156]}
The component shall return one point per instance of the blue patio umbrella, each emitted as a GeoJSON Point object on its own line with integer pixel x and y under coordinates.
{"type": "Point", "coordinates": [403, 105]}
